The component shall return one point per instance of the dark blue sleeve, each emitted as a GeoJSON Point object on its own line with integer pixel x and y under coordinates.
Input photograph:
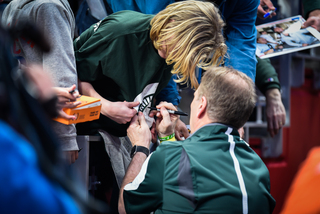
{"type": "Point", "coordinates": [23, 187]}
{"type": "Point", "coordinates": [241, 35]}
{"type": "Point", "coordinates": [169, 93]}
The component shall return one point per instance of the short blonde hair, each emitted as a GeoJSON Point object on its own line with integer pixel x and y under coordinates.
{"type": "Point", "coordinates": [230, 94]}
{"type": "Point", "coordinates": [193, 30]}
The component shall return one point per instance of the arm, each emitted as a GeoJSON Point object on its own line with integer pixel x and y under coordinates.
{"type": "Point", "coordinates": [120, 112]}
{"type": "Point", "coordinates": [148, 188]}
{"type": "Point", "coordinates": [268, 83]}
{"type": "Point", "coordinates": [241, 36]}
{"type": "Point", "coordinates": [57, 23]}
{"type": "Point", "coordinates": [139, 134]}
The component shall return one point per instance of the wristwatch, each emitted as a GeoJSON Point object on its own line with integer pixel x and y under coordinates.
{"type": "Point", "coordinates": [142, 149]}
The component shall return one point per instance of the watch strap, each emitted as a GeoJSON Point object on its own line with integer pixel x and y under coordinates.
{"type": "Point", "coordinates": [142, 149]}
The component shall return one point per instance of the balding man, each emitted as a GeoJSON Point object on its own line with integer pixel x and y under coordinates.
{"type": "Point", "coordinates": [213, 170]}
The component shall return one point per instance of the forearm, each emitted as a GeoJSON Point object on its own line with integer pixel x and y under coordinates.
{"type": "Point", "coordinates": [273, 93]}
{"type": "Point", "coordinates": [87, 89]}
{"type": "Point", "coordinates": [132, 172]}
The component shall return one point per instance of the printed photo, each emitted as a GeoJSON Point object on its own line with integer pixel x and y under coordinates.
{"type": "Point", "coordinates": [285, 36]}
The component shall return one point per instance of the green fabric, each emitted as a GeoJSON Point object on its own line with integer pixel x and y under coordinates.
{"type": "Point", "coordinates": [266, 76]}
{"type": "Point", "coordinates": [309, 6]}
{"type": "Point", "coordinates": [205, 160]}
{"type": "Point", "coordinates": [118, 58]}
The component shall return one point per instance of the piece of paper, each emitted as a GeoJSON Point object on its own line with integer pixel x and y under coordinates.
{"type": "Point", "coordinates": [285, 36]}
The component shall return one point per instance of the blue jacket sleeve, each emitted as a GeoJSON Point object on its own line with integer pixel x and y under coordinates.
{"type": "Point", "coordinates": [240, 17]}
{"type": "Point", "coordinates": [169, 93]}
{"type": "Point", "coordinates": [24, 188]}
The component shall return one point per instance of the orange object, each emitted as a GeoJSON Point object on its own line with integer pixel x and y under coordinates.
{"type": "Point", "coordinates": [88, 110]}
{"type": "Point", "coordinates": [304, 192]}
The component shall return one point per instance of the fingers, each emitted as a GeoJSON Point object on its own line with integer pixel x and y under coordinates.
{"type": "Point", "coordinates": [142, 120]}
{"type": "Point", "coordinates": [269, 4]}
{"type": "Point", "coordinates": [270, 128]}
{"type": "Point", "coordinates": [167, 106]}
{"type": "Point", "coordinates": [132, 104]}
{"type": "Point", "coordinates": [69, 104]}
{"type": "Point", "coordinates": [64, 94]}
{"type": "Point", "coordinates": [64, 115]}
{"type": "Point", "coordinates": [241, 132]}
{"type": "Point", "coordinates": [165, 115]}
{"type": "Point", "coordinates": [76, 155]}
{"type": "Point", "coordinates": [71, 156]}
{"type": "Point", "coordinates": [134, 120]}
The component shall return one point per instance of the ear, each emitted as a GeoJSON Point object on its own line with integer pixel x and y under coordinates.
{"type": "Point", "coordinates": [202, 109]}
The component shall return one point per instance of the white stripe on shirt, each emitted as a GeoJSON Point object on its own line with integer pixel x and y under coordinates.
{"type": "Point", "coordinates": [140, 177]}
{"type": "Point", "coordinates": [238, 172]}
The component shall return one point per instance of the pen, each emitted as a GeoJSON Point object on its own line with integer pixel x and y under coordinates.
{"type": "Point", "coordinates": [72, 91]}
{"type": "Point", "coordinates": [269, 13]}
{"type": "Point", "coordinates": [171, 111]}
{"type": "Point", "coordinates": [79, 150]}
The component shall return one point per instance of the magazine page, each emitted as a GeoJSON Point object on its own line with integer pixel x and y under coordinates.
{"type": "Point", "coordinates": [285, 36]}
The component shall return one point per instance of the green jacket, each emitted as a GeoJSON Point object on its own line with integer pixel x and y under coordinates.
{"type": "Point", "coordinates": [212, 171]}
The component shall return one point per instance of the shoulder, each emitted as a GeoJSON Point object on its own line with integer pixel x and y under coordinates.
{"type": "Point", "coordinates": [127, 21]}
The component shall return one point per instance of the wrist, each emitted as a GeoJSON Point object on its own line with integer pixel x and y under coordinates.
{"type": "Point", "coordinates": [272, 93]}
{"type": "Point", "coordinates": [135, 149]}
{"type": "Point", "coordinates": [167, 138]}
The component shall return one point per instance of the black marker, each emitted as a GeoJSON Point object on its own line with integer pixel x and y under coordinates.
{"type": "Point", "coordinates": [171, 111]}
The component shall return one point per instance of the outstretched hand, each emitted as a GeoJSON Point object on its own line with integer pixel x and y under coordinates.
{"type": "Point", "coordinates": [120, 112]}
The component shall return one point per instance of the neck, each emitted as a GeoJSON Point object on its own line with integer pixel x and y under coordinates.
{"type": "Point", "coordinates": [202, 122]}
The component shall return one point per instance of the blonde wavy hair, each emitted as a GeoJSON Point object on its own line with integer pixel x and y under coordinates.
{"type": "Point", "coordinates": [192, 32]}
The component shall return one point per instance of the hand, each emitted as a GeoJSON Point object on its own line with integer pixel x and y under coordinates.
{"type": "Point", "coordinates": [120, 112]}
{"type": "Point", "coordinates": [66, 100]}
{"type": "Point", "coordinates": [241, 132]}
{"type": "Point", "coordinates": [313, 20]}
{"type": "Point", "coordinates": [166, 123]}
{"type": "Point", "coordinates": [138, 131]}
{"type": "Point", "coordinates": [276, 114]}
{"type": "Point", "coordinates": [181, 130]}
{"type": "Point", "coordinates": [262, 12]}
{"type": "Point", "coordinates": [71, 156]}
{"type": "Point", "coordinates": [269, 51]}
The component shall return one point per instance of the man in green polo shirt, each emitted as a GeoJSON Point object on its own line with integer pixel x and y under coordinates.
{"type": "Point", "coordinates": [213, 170]}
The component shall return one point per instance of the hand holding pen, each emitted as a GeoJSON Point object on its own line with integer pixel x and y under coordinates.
{"type": "Point", "coordinates": [66, 99]}
{"type": "Point", "coordinates": [266, 9]}
{"type": "Point", "coordinates": [165, 122]}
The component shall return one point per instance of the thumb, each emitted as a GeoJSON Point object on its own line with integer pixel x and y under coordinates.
{"type": "Point", "coordinates": [73, 87]}
{"type": "Point", "coordinates": [132, 104]}
{"type": "Point", "coordinates": [142, 120]}
{"type": "Point", "coordinates": [134, 120]}
{"type": "Point", "coordinates": [165, 115]}
{"type": "Point", "coordinates": [270, 5]}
